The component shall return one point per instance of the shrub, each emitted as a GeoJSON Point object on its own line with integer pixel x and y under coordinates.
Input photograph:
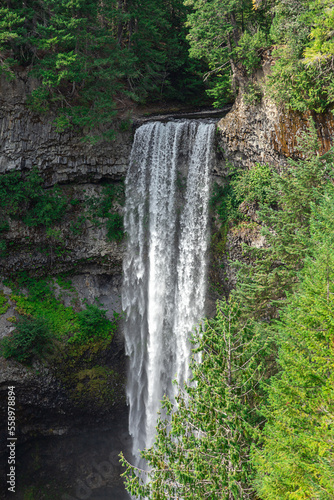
{"type": "Point", "coordinates": [31, 338]}
{"type": "Point", "coordinates": [253, 185]}
{"type": "Point", "coordinates": [252, 95]}
{"type": "Point", "coordinates": [23, 197]}
{"type": "Point", "coordinates": [93, 324]}
{"type": "Point", "coordinates": [115, 229]}
{"type": "Point", "coordinates": [104, 207]}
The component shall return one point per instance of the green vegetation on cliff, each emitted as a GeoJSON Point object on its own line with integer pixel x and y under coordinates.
{"type": "Point", "coordinates": [25, 200]}
{"type": "Point", "coordinates": [234, 37]}
{"type": "Point", "coordinates": [45, 324]}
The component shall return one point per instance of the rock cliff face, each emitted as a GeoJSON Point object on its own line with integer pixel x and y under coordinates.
{"type": "Point", "coordinates": [45, 406]}
{"type": "Point", "coordinates": [77, 245]}
{"type": "Point", "coordinates": [263, 133]}
{"type": "Point", "coordinates": [29, 140]}
{"type": "Point", "coordinates": [260, 133]}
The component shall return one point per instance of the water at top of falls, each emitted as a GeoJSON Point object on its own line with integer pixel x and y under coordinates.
{"type": "Point", "coordinates": [166, 220]}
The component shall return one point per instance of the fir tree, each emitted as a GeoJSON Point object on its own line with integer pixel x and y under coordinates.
{"type": "Point", "coordinates": [91, 56]}
{"type": "Point", "coordinates": [228, 35]}
{"type": "Point", "coordinates": [285, 220]}
{"type": "Point", "coordinates": [297, 458]}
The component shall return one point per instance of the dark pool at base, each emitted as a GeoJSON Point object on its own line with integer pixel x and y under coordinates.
{"type": "Point", "coordinates": [82, 466]}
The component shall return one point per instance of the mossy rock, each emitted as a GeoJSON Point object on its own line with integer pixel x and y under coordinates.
{"type": "Point", "coordinates": [96, 385]}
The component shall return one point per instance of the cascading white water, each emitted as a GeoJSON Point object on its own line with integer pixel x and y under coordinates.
{"type": "Point", "coordinates": [166, 220]}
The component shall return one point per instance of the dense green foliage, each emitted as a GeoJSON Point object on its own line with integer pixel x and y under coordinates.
{"type": "Point", "coordinates": [23, 197]}
{"type": "Point", "coordinates": [229, 36]}
{"type": "Point", "coordinates": [284, 220]}
{"type": "Point", "coordinates": [95, 58]}
{"type": "Point", "coordinates": [90, 56]}
{"type": "Point", "coordinates": [247, 187]}
{"type": "Point", "coordinates": [31, 338]}
{"type": "Point", "coordinates": [257, 422]}
{"type": "Point", "coordinates": [232, 36]}
{"type": "Point", "coordinates": [93, 324]}
{"type": "Point", "coordinates": [303, 74]}
{"type": "Point", "coordinates": [297, 460]}
{"type": "Point", "coordinates": [43, 318]}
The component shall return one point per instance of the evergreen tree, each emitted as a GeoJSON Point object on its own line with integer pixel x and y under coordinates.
{"type": "Point", "coordinates": [297, 458]}
{"type": "Point", "coordinates": [90, 56]}
{"type": "Point", "coordinates": [229, 36]}
{"type": "Point", "coordinates": [285, 220]}
{"type": "Point", "coordinates": [301, 33]}
{"type": "Point", "coordinates": [202, 451]}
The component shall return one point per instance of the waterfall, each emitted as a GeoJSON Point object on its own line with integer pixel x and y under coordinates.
{"type": "Point", "coordinates": [166, 221]}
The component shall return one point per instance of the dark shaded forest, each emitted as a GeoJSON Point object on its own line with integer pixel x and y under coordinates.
{"type": "Point", "coordinates": [94, 57]}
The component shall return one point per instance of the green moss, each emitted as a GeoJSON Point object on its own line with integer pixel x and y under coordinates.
{"type": "Point", "coordinates": [246, 228]}
{"type": "Point", "coordinates": [66, 324]}
{"type": "Point", "coordinates": [83, 376]}
{"type": "Point", "coordinates": [4, 306]}
{"type": "Point", "coordinates": [63, 321]}
{"type": "Point", "coordinates": [95, 384]}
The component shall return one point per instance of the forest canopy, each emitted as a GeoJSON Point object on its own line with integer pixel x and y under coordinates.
{"type": "Point", "coordinates": [94, 57]}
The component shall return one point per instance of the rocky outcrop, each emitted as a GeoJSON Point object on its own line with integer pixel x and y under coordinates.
{"type": "Point", "coordinates": [28, 140]}
{"type": "Point", "coordinates": [264, 133]}
{"type": "Point", "coordinates": [254, 133]}
{"type": "Point", "coordinates": [204, 114]}
{"type": "Point", "coordinates": [77, 243]}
